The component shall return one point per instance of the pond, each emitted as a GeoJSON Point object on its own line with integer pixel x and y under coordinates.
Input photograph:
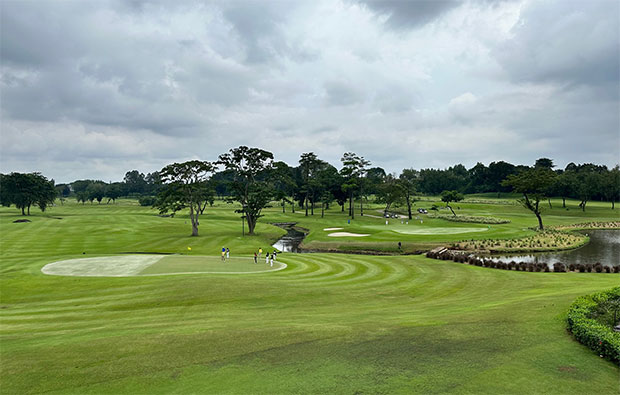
{"type": "Point", "coordinates": [291, 240]}
{"type": "Point", "coordinates": [604, 247]}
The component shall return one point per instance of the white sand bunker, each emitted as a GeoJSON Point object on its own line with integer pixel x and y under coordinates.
{"type": "Point", "coordinates": [347, 234]}
{"type": "Point", "coordinates": [328, 229]}
{"type": "Point", "coordinates": [119, 266]}
{"type": "Point", "coordinates": [439, 231]}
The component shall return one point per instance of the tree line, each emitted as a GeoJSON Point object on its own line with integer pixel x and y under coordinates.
{"type": "Point", "coordinates": [251, 177]}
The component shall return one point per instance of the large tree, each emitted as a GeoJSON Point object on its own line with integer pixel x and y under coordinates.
{"type": "Point", "coordinates": [308, 162]}
{"type": "Point", "coordinates": [534, 185]}
{"type": "Point", "coordinates": [390, 192]}
{"type": "Point", "coordinates": [353, 170]}
{"type": "Point", "coordinates": [186, 183]}
{"type": "Point", "coordinates": [250, 186]}
{"type": "Point", "coordinates": [451, 196]}
{"type": "Point", "coordinates": [284, 184]}
{"type": "Point", "coordinates": [610, 185]}
{"type": "Point", "coordinates": [25, 190]}
{"type": "Point", "coordinates": [409, 180]}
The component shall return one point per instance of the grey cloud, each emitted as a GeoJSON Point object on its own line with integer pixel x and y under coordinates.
{"type": "Point", "coordinates": [565, 42]}
{"type": "Point", "coordinates": [341, 93]}
{"type": "Point", "coordinates": [411, 14]}
{"type": "Point", "coordinates": [145, 83]}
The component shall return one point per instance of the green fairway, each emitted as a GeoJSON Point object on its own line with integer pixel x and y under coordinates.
{"type": "Point", "coordinates": [327, 323]}
{"type": "Point", "coordinates": [208, 264]}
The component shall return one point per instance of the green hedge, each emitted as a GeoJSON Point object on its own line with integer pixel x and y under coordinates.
{"type": "Point", "coordinates": [588, 331]}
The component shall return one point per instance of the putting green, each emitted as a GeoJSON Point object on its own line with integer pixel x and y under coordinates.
{"type": "Point", "coordinates": [156, 265]}
{"type": "Point", "coordinates": [438, 231]}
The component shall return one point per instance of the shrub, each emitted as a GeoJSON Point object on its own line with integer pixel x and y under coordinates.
{"type": "Point", "coordinates": [146, 200]}
{"type": "Point", "coordinates": [559, 267]}
{"type": "Point", "coordinates": [600, 338]}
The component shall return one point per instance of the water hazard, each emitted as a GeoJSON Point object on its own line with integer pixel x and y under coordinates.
{"type": "Point", "coordinates": [604, 247]}
{"type": "Point", "coordinates": [291, 240]}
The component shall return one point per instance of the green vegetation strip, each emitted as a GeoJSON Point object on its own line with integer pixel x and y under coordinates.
{"type": "Point", "coordinates": [470, 219]}
{"type": "Point", "coordinates": [546, 240]}
{"type": "Point", "coordinates": [596, 333]}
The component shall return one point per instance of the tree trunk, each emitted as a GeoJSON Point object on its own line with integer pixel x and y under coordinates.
{"type": "Point", "coordinates": [283, 206]}
{"type": "Point", "coordinates": [194, 220]}
{"type": "Point", "coordinates": [361, 203]}
{"type": "Point", "coordinates": [540, 224]}
{"type": "Point", "coordinates": [306, 204]}
{"type": "Point", "coordinates": [312, 208]}
{"type": "Point", "coordinates": [23, 211]}
{"type": "Point", "coordinates": [251, 224]}
{"type": "Point", "coordinates": [549, 201]}
{"type": "Point", "coordinates": [450, 207]}
{"type": "Point", "coordinates": [563, 202]}
{"type": "Point", "coordinates": [612, 204]}
{"type": "Point", "coordinates": [293, 205]}
{"type": "Point", "coordinates": [28, 209]}
{"type": "Point", "coordinates": [409, 206]}
{"type": "Point", "coordinates": [322, 209]}
{"type": "Point", "coordinates": [351, 208]}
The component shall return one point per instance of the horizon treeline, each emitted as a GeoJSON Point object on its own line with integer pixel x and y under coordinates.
{"type": "Point", "coordinates": [314, 181]}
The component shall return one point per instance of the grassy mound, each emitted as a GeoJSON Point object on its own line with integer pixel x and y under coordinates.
{"type": "Point", "coordinates": [471, 219]}
{"type": "Point", "coordinates": [547, 240]}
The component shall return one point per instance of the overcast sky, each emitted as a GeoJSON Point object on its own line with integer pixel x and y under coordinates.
{"type": "Point", "coordinates": [92, 89]}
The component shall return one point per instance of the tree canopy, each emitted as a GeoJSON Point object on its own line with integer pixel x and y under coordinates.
{"type": "Point", "coordinates": [25, 190]}
{"type": "Point", "coordinates": [251, 187]}
{"type": "Point", "coordinates": [185, 185]}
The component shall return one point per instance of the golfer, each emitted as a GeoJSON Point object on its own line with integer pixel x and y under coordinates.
{"type": "Point", "coordinates": [260, 252]}
{"type": "Point", "coordinates": [271, 260]}
{"type": "Point", "coordinates": [227, 253]}
{"type": "Point", "coordinates": [255, 259]}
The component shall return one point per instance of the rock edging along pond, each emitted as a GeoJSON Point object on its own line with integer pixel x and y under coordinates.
{"type": "Point", "coordinates": [590, 331]}
{"type": "Point", "coordinates": [458, 256]}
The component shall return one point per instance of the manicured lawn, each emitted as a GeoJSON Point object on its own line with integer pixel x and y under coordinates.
{"type": "Point", "coordinates": [328, 323]}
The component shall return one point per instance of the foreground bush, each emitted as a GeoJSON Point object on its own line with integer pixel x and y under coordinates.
{"type": "Point", "coordinates": [588, 330]}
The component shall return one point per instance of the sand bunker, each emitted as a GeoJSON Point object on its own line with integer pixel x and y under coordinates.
{"type": "Point", "coordinates": [327, 229]}
{"type": "Point", "coordinates": [347, 234]}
